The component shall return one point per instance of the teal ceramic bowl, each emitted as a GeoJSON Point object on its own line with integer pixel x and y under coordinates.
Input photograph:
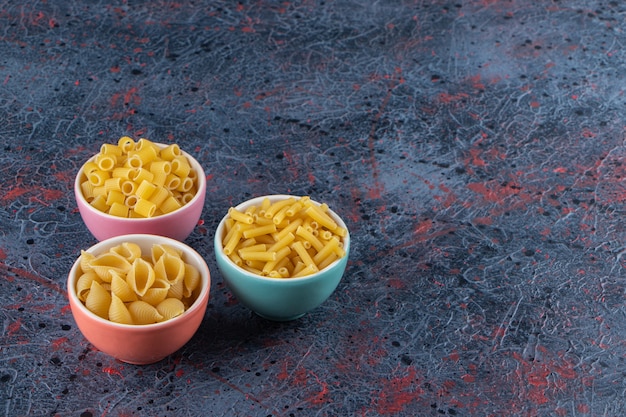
{"type": "Point", "coordinates": [279, 299]}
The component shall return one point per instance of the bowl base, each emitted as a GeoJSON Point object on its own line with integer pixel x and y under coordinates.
{"type": "Point", "coordinates": [297, 316]}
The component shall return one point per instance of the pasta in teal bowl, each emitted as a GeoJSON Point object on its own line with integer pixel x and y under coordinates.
{"type": "Point", "coordinates": [281, 255]}
{"type": "Point", "coordinates": [139, 298]}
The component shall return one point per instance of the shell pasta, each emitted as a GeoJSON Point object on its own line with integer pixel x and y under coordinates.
{"type": "Point", "coordinates": [289, 238]}
{"type": "Point", "coordinates": [138, 179]}
{"type": "Point", "coordinates": [126, 286]}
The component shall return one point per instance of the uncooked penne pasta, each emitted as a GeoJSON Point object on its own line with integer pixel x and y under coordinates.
{"type": "Point", "coordinates": [293, 237]}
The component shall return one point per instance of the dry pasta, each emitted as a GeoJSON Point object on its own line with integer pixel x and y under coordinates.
{"type": "Point", "coordinates": [138, 179]}
{"type": "Point", "coordinates": [127, 286]}
{"type": "Point", "coordinates": [293, 237]}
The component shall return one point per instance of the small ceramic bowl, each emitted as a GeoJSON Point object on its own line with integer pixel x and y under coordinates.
{"type": "Point", "coordinates": [177, 225]}
{"type": "Point", "coordinates": [148, 343]}
{"type": "Point", "coordinates": [279, 299]}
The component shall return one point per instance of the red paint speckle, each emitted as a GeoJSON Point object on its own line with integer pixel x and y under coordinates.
{"type": "Point", "coordinates": [14, 327]}
{"type": "Point", "coordinates": [111, 371]}
{"type": "Point", "coordinates": [396, 394]}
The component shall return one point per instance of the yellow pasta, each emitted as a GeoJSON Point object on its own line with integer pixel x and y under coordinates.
{"type": "Point", "coordinates": [170, 152]}
{"type": "Point", "coordinates": [83, 284]}
{"type": "Point", "coordinates": [106, 161]}
{"type": "Point", "coordinates": [141, 276]}
{"type": "Point", "coordinates": [170, 308]}
{"type": "Point", "coordinates": [127, 250]}
{"type": "Point", "coordinates": [98, 300]}
{"type": "Point", "coordinates": [191, 280]}
{"type": "Point", "coordinates": [310, 237]}
{"type": "Point", "coordinates": [177, 290]}
{"type": "Point", "coordinates": [158, 167]}
{"type": "Point", "coordinates": [144, 154]}
{"type": "Point", "coordinates": [138, 288]}
{"type": "Point", "coordinates": [126, 144]}
{"type": "Point", "coordinates": [115, 196]}
{"type": "Point", "coordinates": [87, 189]}
{"type": "Point", "coordinates": [170, 268]}
{"type": "Point", "coordinates": [118, 312]}
{"type": "Point", "coordinates": [186, 197]}
{"type": "Point", "coordinates": [144, 207]}
{"type": "Point", "coordinates": [158, 250]}
{"type": "Point", "coordinates": [170, 204]}
{"type": "Point", "coordinates": [275, 207]}
{"type": "Point", "coordinates": [104, 265]}
{"type": "Point", "coordinates": [293, 237]}
{"type": "Point", "coordinates": [145, 190]}
{"type": "Point", "coordinates": [159, 195]}
{"type": "Point", "coordinates": [144, 313]}
{"type": "Point", "coordinates": [180, 166]}
{"type": "Point", "coordinates": [172, 182]}
{"type": "Point", "coordinates": [118, 209]}
{"type": "Point", "coordinates": [320, 217]}
{"type": "Point", "coordinates": [140, 171]}
{"type": "Point", "coordinates": [121, 289]}
{"type": "Point", "coordinates": [157, 292]}
{"type": "Point", "coordinates": [260, 230]}
{"type": "Point", "coordinates": [140, 175]}
{"type": "Point", "coordinates": [128, 188]}
{"type": "Point", "coordinates": [98, 177]}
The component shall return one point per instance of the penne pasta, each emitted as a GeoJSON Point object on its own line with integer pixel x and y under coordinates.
{"type": "Point", "coordinates": [293, 237]}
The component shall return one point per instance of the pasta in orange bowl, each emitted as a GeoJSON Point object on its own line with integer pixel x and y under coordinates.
{"type": "Point", "coordinates": [282, 255]}
{"type": "Point", "coordinates": [140, 187]}
{"type": "Point", "coordinates": [139, 297]}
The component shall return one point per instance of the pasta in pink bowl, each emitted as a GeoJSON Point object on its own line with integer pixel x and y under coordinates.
{"type": "Point", "coordinates": [140, 187]}
{"type": "Point", "coordinates": [139, 298]}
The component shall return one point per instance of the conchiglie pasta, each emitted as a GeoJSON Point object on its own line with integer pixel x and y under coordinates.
{"type": "Point", "coordinates": [83, 284]}
{"type": "Point", "coordinates": [104, 264]}
{"type": "Point", "coordinates": [98, 300]}
{"type": "Point", "coordinates": [120, 287]}
{"type": "Point", "coordinates": [191, 280]}
{"type": "Point", "coordinates": [144, 313]}
{"type": "Point", "coordinates": [170, 308]}
{"type": "Point", "coordinates": [177, 290]}
{"type": "Point", "coordinates": [128, 250]}
{"type": "Point", "coordinates": [118, 312]}
{"type": "Point", "coordinates": [157, 292]}
{"type": "Point", "coordinates": [158, 250]}
{"type": "Point", "coordinates": [170, 268]}
{"type": "Point", "coordinates": [126, 286]}
{"type": "Point", "coordinates": [141, 276]}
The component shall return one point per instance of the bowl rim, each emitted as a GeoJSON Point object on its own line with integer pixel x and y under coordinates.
{"type": "Point", "coordinates": [279, 281]}
{"type": "Point", "coordinates": [135, 220]}
{"type": "Point", "coordinates": [113, 241]}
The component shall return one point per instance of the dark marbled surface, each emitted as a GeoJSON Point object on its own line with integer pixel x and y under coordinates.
{"type": "Point", "coordinates": [475, 148]}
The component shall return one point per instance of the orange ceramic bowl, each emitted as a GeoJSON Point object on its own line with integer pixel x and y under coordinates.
{"type": "Point", "coordinates": [177, 225]}
{"type": "Point", "coordinates": [141, 344]}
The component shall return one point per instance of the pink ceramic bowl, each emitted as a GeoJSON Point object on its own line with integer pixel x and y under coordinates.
{"type": "Point", "coordinates": [141, 344]}
{"type": "Point", "coordinates": [177, 225]}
